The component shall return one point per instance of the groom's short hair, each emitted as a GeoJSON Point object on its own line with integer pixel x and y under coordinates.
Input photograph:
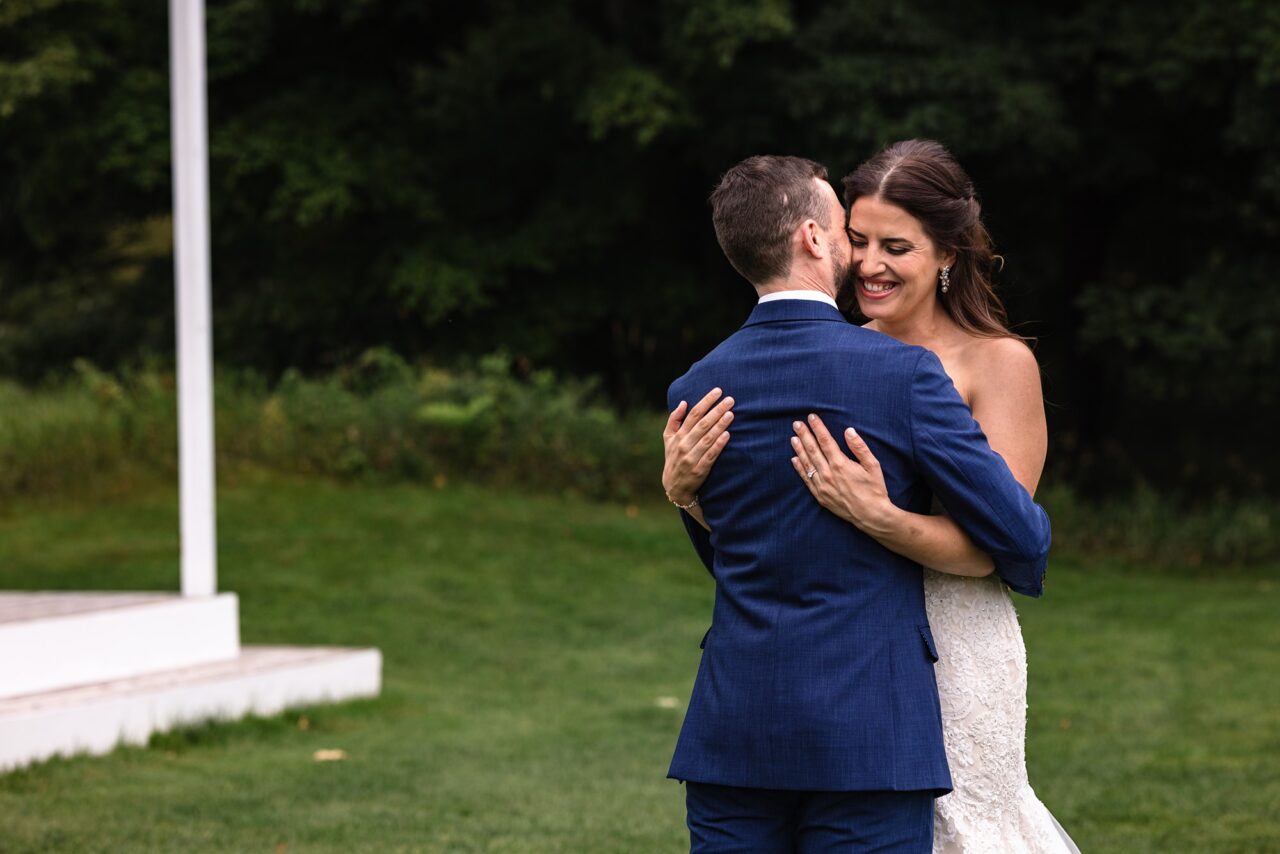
{"type": "Point", "coordinates": [757, 206]}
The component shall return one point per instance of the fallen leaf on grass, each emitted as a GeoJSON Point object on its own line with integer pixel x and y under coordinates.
{"type": "Point", "coordinates": [329, 755]}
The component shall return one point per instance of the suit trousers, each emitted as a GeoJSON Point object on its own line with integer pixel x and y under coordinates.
{"type": "Point", "coordinates": [726, 819]}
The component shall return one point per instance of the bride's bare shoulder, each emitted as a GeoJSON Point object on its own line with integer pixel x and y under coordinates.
{"type": "Point", "coordinates": [1007, 400]}
{"type": "Point", "coordinates": [1004, 363]}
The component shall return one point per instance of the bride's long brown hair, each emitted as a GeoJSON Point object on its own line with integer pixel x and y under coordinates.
{"type": "Point", "coordinates": [921, 177]}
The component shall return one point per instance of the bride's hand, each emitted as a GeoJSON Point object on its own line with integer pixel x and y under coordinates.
{"type": "Point", "coordinates": [853, 489]}
{"type": "Point", "coordinates": [693, 439]}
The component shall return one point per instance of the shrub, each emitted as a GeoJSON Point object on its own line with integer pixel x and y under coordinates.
{"type": "Point", "coordinates": [1150, 528]}
{"type": "Point", "coordinates": [378, 417]}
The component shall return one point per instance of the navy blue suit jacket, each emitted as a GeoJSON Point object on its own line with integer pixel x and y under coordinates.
{"type": "Point", "coordinates": [817, 672]}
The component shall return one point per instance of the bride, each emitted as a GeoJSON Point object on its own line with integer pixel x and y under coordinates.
{"type": "Point", "coordinates": [920, 272]}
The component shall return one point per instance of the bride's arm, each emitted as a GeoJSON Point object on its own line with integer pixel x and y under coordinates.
{"type": "Point", "coordinates": [1007, 404]}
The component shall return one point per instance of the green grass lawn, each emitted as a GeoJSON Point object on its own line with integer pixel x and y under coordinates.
{"type": "Point", "coordinates": [528, 641]}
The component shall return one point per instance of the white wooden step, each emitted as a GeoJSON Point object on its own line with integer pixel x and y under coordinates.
{"type": "Point", "coordinates": [52, 640]}
{"type": "Point", "coordinates": [261, 680]}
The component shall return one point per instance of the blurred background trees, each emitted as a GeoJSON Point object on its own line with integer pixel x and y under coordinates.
{"type": "Point", "coordinates": [446, 180]}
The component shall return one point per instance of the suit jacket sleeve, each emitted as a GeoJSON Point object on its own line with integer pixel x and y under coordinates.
{"type": "Point", "coordinates": [974, 483]}
{"type": "Point", "coordinates": [701, 539]}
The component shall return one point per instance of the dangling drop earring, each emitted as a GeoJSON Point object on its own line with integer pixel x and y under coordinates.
{"type": "Point", "coordinates": [946, 278]}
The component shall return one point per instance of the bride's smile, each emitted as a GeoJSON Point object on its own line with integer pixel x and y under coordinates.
{"type": "Point", "coordinates": [877, 288]}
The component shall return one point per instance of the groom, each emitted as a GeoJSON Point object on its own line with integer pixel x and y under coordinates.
{"type": "Point", "coordinates": [814, 722]}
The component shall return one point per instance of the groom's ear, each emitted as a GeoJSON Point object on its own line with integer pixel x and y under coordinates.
{"type": "Point", "coordinates": [812, 238]}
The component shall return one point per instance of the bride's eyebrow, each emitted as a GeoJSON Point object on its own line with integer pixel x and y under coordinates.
{"type": "Point", "coordinates": [857, 233]}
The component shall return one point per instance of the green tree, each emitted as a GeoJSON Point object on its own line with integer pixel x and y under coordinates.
{"type": "Point", "coordinates": [446, 179]}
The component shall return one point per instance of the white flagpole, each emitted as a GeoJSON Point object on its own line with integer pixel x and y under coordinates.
{"type": "Point", "coordinates": [191, 267]}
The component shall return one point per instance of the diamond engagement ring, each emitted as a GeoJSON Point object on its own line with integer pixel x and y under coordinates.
{"type": "Point", "coordinates": [811, 473]}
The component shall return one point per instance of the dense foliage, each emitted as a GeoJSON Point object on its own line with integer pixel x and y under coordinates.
{"type": "Point", "coordinates": [444, 179]}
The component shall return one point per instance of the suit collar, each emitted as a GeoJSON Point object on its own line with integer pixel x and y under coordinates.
{"type": "Point", "coordinates": [793, 309]}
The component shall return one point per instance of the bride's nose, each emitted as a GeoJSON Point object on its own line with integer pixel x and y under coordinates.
{"type": "Point", "coordinates": [870, 263]}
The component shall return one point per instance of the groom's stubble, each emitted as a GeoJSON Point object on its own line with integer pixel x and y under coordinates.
{"type": "Point", "coordinates": [842, 274]}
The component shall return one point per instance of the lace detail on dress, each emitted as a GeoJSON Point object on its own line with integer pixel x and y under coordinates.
{"type": "Point", "coordinates": [982, 685]}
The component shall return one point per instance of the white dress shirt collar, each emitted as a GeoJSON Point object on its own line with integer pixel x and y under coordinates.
{"type": "Point", "coordinates": [815, 296]}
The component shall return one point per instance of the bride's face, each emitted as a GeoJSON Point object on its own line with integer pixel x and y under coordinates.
{"type": "Point", "coordinates": [895, 264]}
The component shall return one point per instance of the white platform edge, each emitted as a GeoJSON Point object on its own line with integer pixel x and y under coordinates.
{"type": "Point", "coordinates": [94, 719]}
{"type": "Point", "coordinates": [112, 643]}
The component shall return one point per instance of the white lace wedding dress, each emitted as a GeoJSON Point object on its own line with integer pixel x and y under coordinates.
{"type": "Point", "coordinates": [982, 683]}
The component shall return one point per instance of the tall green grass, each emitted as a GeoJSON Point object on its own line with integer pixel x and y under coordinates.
{"type": "Point", "coordinates": [73, 435]}
{"type": "Point", "coordinates": [1146, 527]}
{"type": "Point", "coordinates": [384, 420]}
{"type": "Point", "coordinates": [378, 418]}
